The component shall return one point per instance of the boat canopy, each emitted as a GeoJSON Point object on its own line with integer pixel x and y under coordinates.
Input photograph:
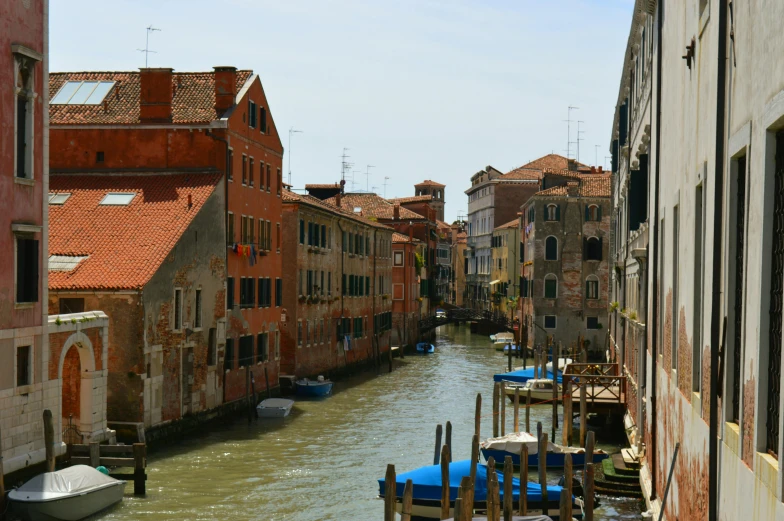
{"type": "Point", "coordinates": [71, 481]}
{"type": "Point", "coordinates": [523, 375]}
{"type": "Point", "coordinates": [427, 483]}
{"type": "Point", "coordinates": [514, 441]}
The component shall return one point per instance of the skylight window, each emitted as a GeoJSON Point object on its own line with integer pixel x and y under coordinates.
{"type": "Point", "coordinates": [117, 199]}
{"type": "Point", "coordinates": [58, 198]}
{"type": "Point", "coordinates": [82, 93]}
{"type": "Point", "coordinates": [64, 262]}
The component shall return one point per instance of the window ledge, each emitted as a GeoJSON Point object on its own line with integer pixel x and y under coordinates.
{"type": "Point", "coordinates": [24, 181]}
{"type": "Point", "coordinates": [23, 389]}
{"type": "Point", "coordinates": [732, 437]}
{"type": "Point", "coordinates": [24, 305]}
{"type": "Point", "coordinates": [766, 469]}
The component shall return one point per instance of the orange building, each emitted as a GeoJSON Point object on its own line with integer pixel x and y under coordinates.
{"type": "Point", "coordinates": [156, 121]}
{"type": "Point", "coordinates": [405, 289]}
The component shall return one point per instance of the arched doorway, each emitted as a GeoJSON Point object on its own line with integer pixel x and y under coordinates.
{"type": "Point", "coordinates": [76, 373]}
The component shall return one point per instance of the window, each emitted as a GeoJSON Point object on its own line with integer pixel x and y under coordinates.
{"type": "Point", "coordinates": [549, 321]}
{"type": "Point", "coordinates": [263, 120]}
{"type": "Point", "coordinates": [230, 228]}
{"type": "Point", "coordinates": [26, 270]}
{"type": "Point", "coordinates": [697, 267]}
{"type": "Point", "coordinates": [230, 292]}
{"type": "Point", "coordinates": [262, 354]}
{"type": "Point", "coordinates": [280, 182]}
{"type": "Point", "coordinates": [593, 212]}
{"type": "Point", "coordinates": [247, 292]}
{"type": "Point", "coordinates": [261, 175]}
{"type": "Point", "coordinates": [323, 236]}
{"type": "Point", "coordinates": [24, 366]}
{"type": "Point", "coordinates": [269, 175]}
{"type": "Point", "coordinates": [251, 114]}
{"type": "Point", "coordinates": [551, 248]}
{"type": "Point", "coordinates": [117, 199]}
{"type": "Point", "coordinates": [250, 172]}
{"type": "Point", "coordinates": [675, 305]}
{"type": "Point", "coordinates": [299, 332]}
{"type": "Point", "coordinates": [82, 93]}
{"type": "Point", "coordinates": [278, 292]}
{"type": "Point", "coordinates": [228, 361]}
{"type": "Point", "coordinates": [99, 157]}
{"type": "Point", "coordinates": [230, 165]}
{"type": "Point", "coordinates": [398, 258]}
{"type": "Point", "coordinates": [244, 169]}
{"type": "Point", "coordinates": [277, 237]}
{"type": "Point", "coordinates": [246, 351]}
{"type": "Point", "coordinates": [58, 199]}
{"type": "Point", "coordinates": [177, 309]}
{"type": "Point", "coordinates": [737, 274]}
{"type": "Point", "coordinates": [212, 346]}
{"type": "Point", "coordinates": [550, 286]}
{"type": "Point", "coordinates": [593, 249]}
{"type": "Point", "coordinates": [71, 305]}
{"type": "Point", "coordinates": [592, 287]}
{"type": "Point", "coordinates": [553, 213]}
{"type": "Point", "coordinates": [592, 323]}
{"type": "Point", "coordinates": [302, 231]}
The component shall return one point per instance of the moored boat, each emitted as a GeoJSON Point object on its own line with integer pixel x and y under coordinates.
{"type": "Point", "coordinates": [541, 390]}
{"type": "Point", "coordinates": [502, 339]}
{"type": "Point", "coordinates": [510, 445]}
{"type": "Point", "coordinates": [320, 387]}
{"type": "Point", "coordinates": [274, 408]}
{"type": "Point", "coordinates": [425, 348]}
{"type": "Point", "coordinates": [427, 490]}
{"type": "Point", "coordinates": [69, 494]}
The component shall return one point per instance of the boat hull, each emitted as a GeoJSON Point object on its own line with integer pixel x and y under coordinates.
{"type": "Point", "coordinates": [425, 349]}
{"type": "Point", "coordinates": [70, 508]}
{"type": "Point", "coordinates": [423, 509]}
{"type": "Point", "coordinates": [554, 459]}
{"type": "Point", "coordinates": [314, 389]}
{"type": "Point", "coordinates": [274, 408]}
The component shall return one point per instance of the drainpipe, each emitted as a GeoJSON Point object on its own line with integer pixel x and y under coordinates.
{"type": "Point", "coordinates": [653, 268]}
{"type": "Point", "coordinates": [342, 289]}
{"type": "Point", "coordinates": [718, 208]}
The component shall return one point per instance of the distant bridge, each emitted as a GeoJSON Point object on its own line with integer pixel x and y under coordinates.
{"type": "Point", "coordinates": [455, 315]}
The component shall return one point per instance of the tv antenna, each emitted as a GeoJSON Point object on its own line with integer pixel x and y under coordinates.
{"type": "Point", "coordinates": [146, 49]}
{"type": "Point", "coordinates": [569, 130]}
{"type": "Point", "coordinates": [367, 177]}
{"type": "Point", "coordinates": [345, 165]}
{"type": "Point", "coordinates": [385, 186]}
{"type": "Point", "coordinates": [291, 131]}
{"type": "Point", "coordinates": [579, 139]}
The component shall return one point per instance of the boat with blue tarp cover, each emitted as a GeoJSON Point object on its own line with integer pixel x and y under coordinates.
{"type": "Point", "coordinates": [427, 490]}
{"type": "Point", "coordinates": [523, 375]}
{"type": "Point", "coordinates": [510, 445]}
{"type": "Point", "coordinates": [425, 348]}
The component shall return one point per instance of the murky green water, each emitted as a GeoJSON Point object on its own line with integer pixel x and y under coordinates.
{"type": "Point", "coordinates": [322, 462]}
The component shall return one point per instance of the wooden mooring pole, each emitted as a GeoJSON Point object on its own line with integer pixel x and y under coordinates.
{"type": "Point", "coordinates": [508, 476]}
{"type": "Point", "coordinates": [496, 388]}
{"type": "Point", "coordinates": [542, 463]}
{"type": "Point", "coordinates": [408, 500]}
{"type": "Point", "coordinates": [444, 483]}
{"type": "Point", "coordinates": [449, 439]}
{"type": "Point", "coordinates": [583, 413]}
{"type": "Point", "coordinates": [438, 445]}
{"type": "Point", "coordinates": [139, 464]}
{"type": "Point", "coordinates": [390, 497]}
{"type": "Point", "coordinates": [502, 399]}
{"type": "Point", "coordinates": [474, 457]}
{"type": "Point", "coordinates": [517, 409]}
{"type": "Point", "coordinates": [523, 479]}
{"type": "Point", "coordinates": [478, 413]}
{"type": "Point", "coordinates": [49, 440]}
{"type": "Point", "coordinates": [465, 511]}
{"type": "Point", "coordinates": [528, 411]}
{"type": "Point", "coordinates": [588, 492]}
{"type": "Point", "coordinates": [568, 485]}
{"type": "Point", "coordinates": [492, 491]}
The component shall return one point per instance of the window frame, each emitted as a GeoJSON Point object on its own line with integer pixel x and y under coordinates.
{"type": "Point", "coordinates": [546, 240]}
{"type": "Point", "coordinates": [554, 319]}
{"type": "Point", "coordinates": [177, 322]}
{"type": "Point", "coordinates": [550, 277]}
{"type": "Point", "coordinates": [595, 280]}
{"type": "Point", "coordinates": [36, 296]}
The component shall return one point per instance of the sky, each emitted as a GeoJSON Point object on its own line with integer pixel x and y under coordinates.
{"type": "Point", "coordinates": [419, 89]}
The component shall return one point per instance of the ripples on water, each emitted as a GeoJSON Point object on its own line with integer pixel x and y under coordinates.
{"type": "Point", "coordinates": [324, 460]}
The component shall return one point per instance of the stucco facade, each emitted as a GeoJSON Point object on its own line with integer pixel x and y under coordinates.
{"type": "Point", "coordinates": [506, 267]}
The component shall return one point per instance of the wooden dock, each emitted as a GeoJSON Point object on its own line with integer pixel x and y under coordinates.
{"type": "Point", "coordinates": [595, 387]}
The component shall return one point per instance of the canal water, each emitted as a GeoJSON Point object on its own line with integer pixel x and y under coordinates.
{"type": "Point", "coordinates": [324, 460]}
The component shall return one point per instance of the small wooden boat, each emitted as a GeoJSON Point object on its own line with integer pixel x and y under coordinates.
{"type": "Point", "coordinates": [319, 387]}
{"type": "Point", "coordinates": [511, 444]}
{"type": "Point", "coordinates": [502, 339]}
{"type": "Point", "coordinates": [274, 408]}
{"type": "Point", "coordinates": [541, 390]}
{"type": "Point", "coordinates": [426, 502]}
{"type": "Point", "coordinates": [425, 348]}
{"type": "Point", "coordinates": [70, 494]}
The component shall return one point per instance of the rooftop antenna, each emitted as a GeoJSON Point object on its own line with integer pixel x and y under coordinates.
{"type": "Point", "coordinates": [385, 186]}
{"type": "Point", "coordinates": [579, 139]}
{"type": "Point", "coordinates": [146, 49]}
{"type": "Point", "coordinates": [568, 130]}
{"type": "Point", "coordinates": [345, 165]}
{"type": "Point", "coordinates": [367, 177]}
{"type": "Point", "coordinates": [291, 131]}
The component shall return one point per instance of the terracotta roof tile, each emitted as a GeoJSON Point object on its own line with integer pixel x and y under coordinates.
{"type": "Point", "coordinates": [428, 182]}
{"type": "Point", "coordinates": [511, 224]}
{"type": "Point", "coordinates": [551, 161]}
{"type": "Point", "coordinates": [124, 245]}
{"type": "Point", "coordinates": [522, 173]}
{"type": "Point", "coordinates": [322, 186]}
{"type": "Point", "coordinates": [291, 197]}
{"type": "Point", "coordinates": [193, 98]}
{"type": "Point", "coordinates": [590, 186]}
{"type": "Point", "coordinates": [399, 237]}
{"type": "Point", "coordinates": [373, 205]}
{"type": "Point", "coordinates": [412, 199]}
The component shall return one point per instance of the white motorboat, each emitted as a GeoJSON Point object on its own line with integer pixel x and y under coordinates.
{"type": "Point", "coordinates": [66, 495]}
{"type": "Point", "coordinates": [541, 390]}
{"type": "Point", "coordinates": [502, 339]}
{"type": "Point", "coordinates": [274, 408]}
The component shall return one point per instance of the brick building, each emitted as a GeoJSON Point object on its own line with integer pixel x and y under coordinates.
{"type": "Point", "coordinates": [505, 270]}
{"type": "Point", "coordinates": [154, 121]}
{"type": "Point", "coordinates": [338, 279]}
{"type": "Point", "coordinates": [405, 289]}
{"type": "Point", "coordinates": [436, 193]}
{"type": "Point", "coordinates": [147, 250]}
{"type": "Point", "coordinates": [565, 261]}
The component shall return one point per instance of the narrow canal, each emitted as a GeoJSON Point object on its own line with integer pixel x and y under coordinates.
{"type": "Point", "coordinates": [323, 461]}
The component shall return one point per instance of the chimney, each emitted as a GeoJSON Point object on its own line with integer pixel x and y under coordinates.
{"type": "Point", "coordinates": [573, 188]}
{"type": "Point", "coordinates": [225, 88]}
{"type": "Point", "coordinates": [593, 169]}
{"type": "Point", "coordinates": [396, 212]}
{"type": "Point", "coordinates": [155, 97]}
{"type": "Point", "coordinates": [337, 200]}
{"type": "Point", "coordinates": [600, 170]}
{"type": "Point", "coordinates": [572, 165]}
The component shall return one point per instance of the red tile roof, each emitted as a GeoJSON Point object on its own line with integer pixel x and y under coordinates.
{"type": "Point", "coordinates": [590, 186]}
{"type": "Point", "coordinates": [399, 237]}
{"type": "Point", "coordinates": [193, 98]}
{"type": "Point", "coordinates": [374, 206]}
{"type": "Point", "coordinates": [428, 182]}
{"type": "Point", "coordinates": [124, 245]}
{"type": "Point", "coordinates": [522, 174]}
{"type": "Point", "coordinates": [291, 197]}
{"type": "Point", "coordinates": [511, 224]}
{"type": "Point", "coordinates": [322, 186]}
{"type": "Point", "coordinates": [412, 199]}
{"type": "Point", "coordinates": [550, 161]}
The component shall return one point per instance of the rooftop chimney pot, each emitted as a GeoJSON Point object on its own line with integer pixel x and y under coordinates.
{"type": "Point", "coordinates": [225, 88]}
{"type": "Point", "coordinates": [155, 96]}
{"type": "Point", "coordinates": [396, 212]}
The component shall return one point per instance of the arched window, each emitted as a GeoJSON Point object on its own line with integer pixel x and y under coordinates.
{"type": "Point", "coordinates": [592, 287]}
{"type": "Point", "coordinates": [551, 248]}
{"type": "Point", "coordinates": [593, 249]}
{"type": "Point", "coordinates": [550, 286]}
{"type": "Point", "coordinates": [553, 212]}
{"type": "Point", "coordinates": [593, 213]}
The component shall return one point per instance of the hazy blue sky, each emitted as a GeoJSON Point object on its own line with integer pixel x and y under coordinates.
{"type": "Point", "coordinates": [420, 89]}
